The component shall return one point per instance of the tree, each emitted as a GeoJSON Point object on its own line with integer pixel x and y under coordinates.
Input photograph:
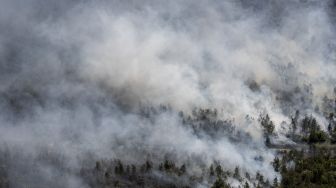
{"type": "Point", "coordinates": [329, 128]}
{"type": "Point", "coordinates": [133, 169]}
{"type": "Point", "coordinates": [260, 178]}
{"type": "Point", "coordinates": [148, 166]}
{"type": "Point", "coordinates": [212, 171]}
{"type": "Point", "coordinates": [267, 124]}
{"type": "Point", "coordinates": [119, 168]}
{"type": "Point", "coordinates": [219, 170]}
{"type": "Point", "coordinates": [168, 165]}
{"type": "Point", "coordinates": [333, 137]}
{"type": "Point", "coordinates": [182, 169]}
{"type": "Point", "coordinates": [309, 125]}
{"type": "Point", "coordinates": [161, 167]}
{"type": "Point", "coordinates": [295, 121]}
{"type": "Point", "coordinates": [236, 173]}
{"type": "Point", "coordinates": [276, 164]}
{"type": "Point", "coordinates": [268, 141]}
{"type": "Point", "coordinates": [98, 165]}
{"type": "Point", "coordinates": [128, 169]}
{"type": "Point", "coordinates": [219, 183]}
{"type": "Point", "coordinates": [275, 182]}
{"type": "Point", "coordinates": [311, 170]}
{"type": "Point", "coordinates": [317, 136]}
{"type": "Point", "coordinates": [247, 175]}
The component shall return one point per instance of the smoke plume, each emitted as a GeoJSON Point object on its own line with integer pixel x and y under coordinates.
{"type": "Point", "coordinates": [82, 80]}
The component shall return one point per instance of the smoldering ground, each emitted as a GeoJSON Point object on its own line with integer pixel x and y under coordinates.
{"type": "Point", "coordinates": [77, 75]}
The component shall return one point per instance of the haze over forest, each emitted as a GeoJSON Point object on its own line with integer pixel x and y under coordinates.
{"type": "Point", "coordinates": [153, 93]}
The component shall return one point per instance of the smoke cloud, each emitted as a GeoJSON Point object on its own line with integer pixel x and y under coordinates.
{"type": "Point", "coordinates": [85, 79]}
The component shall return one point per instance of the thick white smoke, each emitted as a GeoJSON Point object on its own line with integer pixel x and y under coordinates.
{"type": "Point", "coordinates": [74, 76]}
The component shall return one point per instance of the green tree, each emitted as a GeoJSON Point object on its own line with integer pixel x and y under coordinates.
{"type": "Point", "coordinates": [219, 183]}
{"type": "Point", "coordinates": [219, 170]}
{"type": "Point", "coordinates": [276, 164]}
{"type": "Point", "coordinates": [267, 124]}
{"type": "Point", "coordinates": [317, 136]}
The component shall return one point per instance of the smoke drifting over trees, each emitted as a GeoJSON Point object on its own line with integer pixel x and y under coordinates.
{"type": "Point", "coordinates": [190, 93]}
